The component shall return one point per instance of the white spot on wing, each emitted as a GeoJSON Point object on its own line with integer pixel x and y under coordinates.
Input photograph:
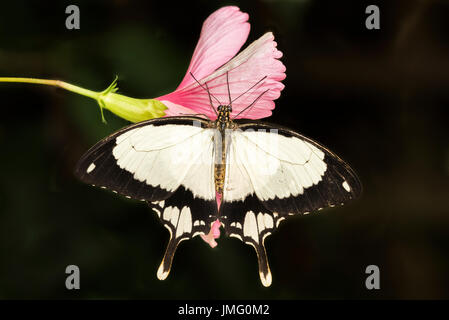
{"type": "Point", "coordinates": [91, 168]}
{"type": "Point", "coordinates": [346, 186]}
{"type": "Point", "coordinates": [250, 227]}
{"type": "Point", "coordinates": [161, 274]}
{"type": "Point", "coordinates": [260, 222]}
{"type": "Point", "coordinates": [167, 214]}
{"type": "Point", "coordinates": [174, 216]}
{"type": "Point", "coordinates": [266, 280]}
{"type": "Point", "coordinates": [185, 222]}
{"type": "Point", "coordinates": [268, 221]}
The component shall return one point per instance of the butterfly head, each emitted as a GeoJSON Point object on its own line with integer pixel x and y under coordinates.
{"type": "Point", "coordinates": [224, 113]}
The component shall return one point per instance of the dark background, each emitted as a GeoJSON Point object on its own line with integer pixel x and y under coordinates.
{"type": "Point", "coordinates": [378, 98]}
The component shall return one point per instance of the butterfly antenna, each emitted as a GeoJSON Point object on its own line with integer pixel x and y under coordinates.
{"type": "Point", "coordinates": [208, 92]}
{"type": "Point", "coordinates": [210, 100]}
{"type": "Point", "coordinates": [250, 88]}
{"type": "Point", "coordinates": [229, 91]}
{"type": "Point", "coordinates": [252, 103]}
{"type": "Point", "coordinates": [195, 114]}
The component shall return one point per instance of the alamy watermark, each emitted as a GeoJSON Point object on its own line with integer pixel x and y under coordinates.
{"type": "Point", "coordinates": [373, 20]}
{"type": "Point", "coordinates": [373, 280]}
{"type": "Point", "coordinates": [73, 19]}
{"type": "Point", "coordinates": [73, 280]}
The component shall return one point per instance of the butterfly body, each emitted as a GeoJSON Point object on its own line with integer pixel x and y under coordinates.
{"type": "Point", "coordinates": [222, 124]}
{"type": "Point", "coordinates": [178, 165]}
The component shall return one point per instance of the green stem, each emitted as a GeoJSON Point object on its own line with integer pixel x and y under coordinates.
{"type": "Point", "coordinates": [54, 83]}
{"type": "Point", "coordinates": [128, 108]}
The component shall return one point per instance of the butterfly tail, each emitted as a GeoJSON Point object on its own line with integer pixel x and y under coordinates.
{"type": "Point", "coordinates": [264, 268]}
{"type": "Point", "coordinates": [165, 266]}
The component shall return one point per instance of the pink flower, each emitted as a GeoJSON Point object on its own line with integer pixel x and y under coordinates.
{"type": "Point", "coordinates": [223, 34]}
{"type": "Point", "coordinates": [256, 70]}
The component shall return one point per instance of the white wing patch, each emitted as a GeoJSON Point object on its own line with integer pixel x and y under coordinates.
{"type": "Point", "coordinates": [169, 156]}
{"type": "Point", "coordinates": [254, 225]}
{"type": "Point", "coordinates": [180, 222]}
{"type": "Point", "coordinates": [236, 225]}
{"type": "Point", "coordinates": [346, 186]}
{"type": "Point", "coordinates": [199, 223]}
{"type": "Point", "coordinates": [90, 168]}
{"type": "Point", "coordinates": [250, 227]}
{"type": "Point", "coordinates": [185, 222]}
{"type": "Point", "coordinates": [267, 221]}
{"type": "Point", "coordinates": [270, 165]}
{"type": "Point", "coordinates": [174, 216]}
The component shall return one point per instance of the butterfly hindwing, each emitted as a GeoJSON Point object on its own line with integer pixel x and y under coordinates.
{"type": "Point", "coordinates": [185, 217]}
{"type": "Point", "coordinates": [249, 221]}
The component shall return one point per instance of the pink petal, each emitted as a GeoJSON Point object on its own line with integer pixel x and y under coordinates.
{"type": "Point", "coordinates": [213, 234]}
{"type": "Point", "coordinates": [174, 109]}
{"type": "Point", "coordinates": [215, 229]}
{"type": "Point", "coordinates": [223, 34]}
{"type": "Point", "coordinates": [258, 60]}
{"type": "Point", "coordinates": [209, 240]}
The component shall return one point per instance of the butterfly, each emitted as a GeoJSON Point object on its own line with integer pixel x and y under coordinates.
{"type": "Point", "coordinates": [191, 171]}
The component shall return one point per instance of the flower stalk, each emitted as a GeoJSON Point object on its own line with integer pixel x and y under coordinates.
{"type": "Point", "coordinates": [131, 109]}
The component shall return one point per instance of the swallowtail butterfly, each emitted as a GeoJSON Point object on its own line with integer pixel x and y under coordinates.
{"type": "Point", "coordinates": [180, 165]}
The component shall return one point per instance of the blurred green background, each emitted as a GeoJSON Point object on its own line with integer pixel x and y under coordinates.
{"type": "Point", "coordinates": [378, 98]}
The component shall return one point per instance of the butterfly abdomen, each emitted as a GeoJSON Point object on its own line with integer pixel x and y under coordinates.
{"type": "Point", "coordinates": [220, 164]}
{"type": "Point", "coordinates": [219, 177]}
